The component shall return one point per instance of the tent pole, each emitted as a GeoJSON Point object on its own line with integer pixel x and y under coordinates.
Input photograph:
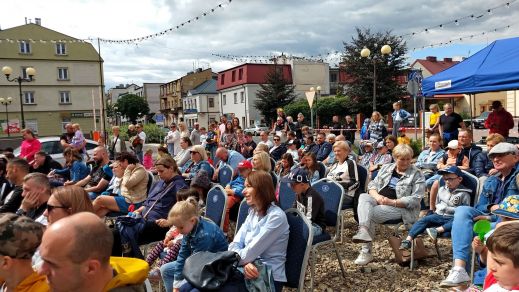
{"type": "Point", "coordinates": [415, 117]}
{"type": "Point", "coordinates": [423, 121]}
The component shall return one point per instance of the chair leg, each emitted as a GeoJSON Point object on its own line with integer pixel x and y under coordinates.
{"type": "Point", "coordinates": [411, 265]}
{"type": "Point", "coordinates": [342, 225]}
{"type": "Point", "coordinates": [438, 253]}
{"type": "Point", "coordinates": [312, 267]}
{"type": "Point", "coordinates": [472, 264]}
{"type": "Point", "coordinates": [339, 259]}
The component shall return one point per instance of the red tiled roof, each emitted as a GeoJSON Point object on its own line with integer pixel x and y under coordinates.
{"type": "Point", "coordinates": [434, 66]}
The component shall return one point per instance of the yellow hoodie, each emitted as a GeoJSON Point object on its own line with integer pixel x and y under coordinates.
{"type": "Point", "coordinates": [33, 283]}
{"type": "Point", "coordinates": [129, 272]}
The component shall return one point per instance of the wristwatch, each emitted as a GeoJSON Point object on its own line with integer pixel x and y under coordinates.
{"type": "Point", "coordinates": [21, 212]}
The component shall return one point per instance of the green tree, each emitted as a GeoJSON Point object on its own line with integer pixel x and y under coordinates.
{"type": "Point", "coordinates": [326, 108]}
{"type": "Point", "coordinates": [276, 93]}
{"type": "Point", "coordinates": [132, 106]}
{"type": "Point", "coordinates": [388, 69]}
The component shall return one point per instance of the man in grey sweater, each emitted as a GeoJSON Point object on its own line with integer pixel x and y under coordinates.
{"type": "Point", "coordinates": [450, 196]}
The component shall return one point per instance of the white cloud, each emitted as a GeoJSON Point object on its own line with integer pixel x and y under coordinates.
{"type": "Point", "coordinates": [248, 27]}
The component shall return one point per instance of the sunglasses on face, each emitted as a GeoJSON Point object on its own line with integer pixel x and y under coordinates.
{"type": "Point", "coordinates": [51, 207]}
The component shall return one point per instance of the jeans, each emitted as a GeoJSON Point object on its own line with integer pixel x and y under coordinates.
{"type": "Point", "coordinates": [139, 155]}
{"type": "Point", "coordinates": [316, 229]}
{"type": "Point", "coordinates": [432, 220]}
{"type": "Point", "coordinates": [462, 233]}
{"type": "Point", "coordinates": [166, 271]}
{"type": "Point", "coordinates": [447, 137]}
{"type": "Point", "coordinates": [171, 149]}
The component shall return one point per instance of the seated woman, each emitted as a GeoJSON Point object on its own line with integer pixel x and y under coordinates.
{"type": "Point", "coordinates": [133, 188]}
{"type": "Point", "coordinates": [198, 161]}
{"type": "Point", "coordinates": [114, 186]}
{"type": "Point", "coordinates": [428, 159]}
{"type": "Point", "coordinates": [261, 161]}
{"type": "Point", "coordinates": [309, 161]}
{"type": "Point", "coordinates": [263, 237]}
{"type": "Point", "coordinates": [390, 141]}
{"type": "Point", "coordinates": [285, 165]}
{"type": "Point", "coordinates": [199, 234]}
{"type": "Point", "coordinates": [344, 171]}
{"type": "Point", "coordinates": [75, 168]}
{"type": "Point", "coordinates": [184, 154]}
{"type": "Point", "coordinates": [380, 158]}
{"type": "Point", "coordinates": [395, 194]}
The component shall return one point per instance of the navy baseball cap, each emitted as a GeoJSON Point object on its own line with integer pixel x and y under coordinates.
{"type": "Point", "coordinates": [451, 169]}
{"type": "Point", "coordinates": [297, 175]}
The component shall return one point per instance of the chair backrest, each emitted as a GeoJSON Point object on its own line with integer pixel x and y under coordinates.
{"type": "Point", "coordinates": [243, 211]}
{"type": "Point", "coordinates": [216, 205]}
{"type": "Point", "coordinates": [321, 169]}
{"type": "Point", "coordinates": [363, 178]}
{"type": "Point", "coordinates": [471, 182]}
{"type": "Point", "coordinates": [272, 163]}
{"type": "Point", "coordinates": [275, 179]}
{"type": "Point", "coordinates": [298, 249]}
{"type": "Point", "coordinates": [225, 175]}
{"type": "Point", "coordinates": [482, 180]}
{"type": "Point", "coordinates": [150, 181]}
{"type": "Point", "coordinates": [287, 196]}
{"type": "Point", "coordinates": [332, 194]}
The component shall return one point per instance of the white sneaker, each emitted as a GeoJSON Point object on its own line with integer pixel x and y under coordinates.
{"type": "Point", "coordinates": [364, 258]}
{"type": "Point", "coordinates": [457, 276]}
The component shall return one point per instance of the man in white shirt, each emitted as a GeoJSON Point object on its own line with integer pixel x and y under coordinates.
{"type": "Point", "coordinates": [264, 136]}
{"type": "Point", "coordinates": [195, 135]}
{"type": "Point", "coordinates": [221, 128]}
{"type": "Point", "coordinates": [173, 140]}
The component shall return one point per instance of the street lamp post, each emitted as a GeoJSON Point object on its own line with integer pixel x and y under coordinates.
{"type": "Point", "coordinates": [365, 53]}
{"type": "Point", "coordinates": [6, 102]}
{"type": "Point", "coordinates": [317, 92]}
{"type": "Point", "coordinates": [31, 72]}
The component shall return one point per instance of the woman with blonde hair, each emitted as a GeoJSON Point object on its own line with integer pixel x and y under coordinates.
{"type": "Point", "coordinates": [377, 128]}
{"type": "Point", "coordinates": [184, 132]}
{"type": "Point", "coordinates": [198, 162]}
{"type": "Point", "coordinates": [261, 161]}
{"type": "Point", "coordinates": [66, 201]}
{"type": "Point", "coordinates": [434, 119]}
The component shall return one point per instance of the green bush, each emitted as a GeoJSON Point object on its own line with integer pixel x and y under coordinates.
{"type": "Point", "coordinates": [417, 146]}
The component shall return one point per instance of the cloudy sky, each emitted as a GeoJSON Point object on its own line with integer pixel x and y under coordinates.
{"type": "Point", "coordinates": [256, 27]}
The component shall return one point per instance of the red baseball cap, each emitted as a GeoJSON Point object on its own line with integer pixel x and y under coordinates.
{"type": "Point", "coordinates": [245, 164]}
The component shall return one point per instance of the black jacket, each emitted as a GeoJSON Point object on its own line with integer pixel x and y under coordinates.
{"type": "Point", "coordinates": [47, 166]}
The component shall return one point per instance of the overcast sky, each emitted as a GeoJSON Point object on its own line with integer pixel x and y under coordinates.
{"type": "Point", "coordinates": [255, 27]}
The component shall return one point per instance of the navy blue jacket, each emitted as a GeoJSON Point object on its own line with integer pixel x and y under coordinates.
{"type": "Point", "coordinates": [324, 151]}
{"type": "Point", "coordinates": [477, 167]}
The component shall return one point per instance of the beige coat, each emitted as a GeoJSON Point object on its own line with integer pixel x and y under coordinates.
{"type": "Point", "coordinates": [134, 184]}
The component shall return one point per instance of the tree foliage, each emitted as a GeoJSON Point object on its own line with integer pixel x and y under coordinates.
{"type": "Point", "coordinates": [388, 68]}
{"type": "Point", "coordinates": [325, 107]}
{"type": "Point", "coordinates": [132, 106]}
{"type": "Point", "coordinates": [276, 93]}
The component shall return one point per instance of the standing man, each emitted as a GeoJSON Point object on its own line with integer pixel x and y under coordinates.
{"type": "Point", "coordinates": [19, 240]}
{"type": "Point", "coordinates": [299, 126]}
{"type": "Point", "coordinates": [173, 140]}
{"type": "Point", "coordinates": [117, 143]}
{"type": "Point", "coordinates": [17, 169]}
{"type": "Point", "coordinates": [66, 139]}
{"type": "Point", "coordinates": [449, 124]}
{"type": "Point", "coordinates": [336, 126]}
{"type": "Point", "coordinates": [350, 128]}
{"type": "Point", "coordinates": [499, 120]}
{"type": "Point", "coordinates": [140, 142]}
{"type": "Point", "coordinates": [195, 135]}
{"type": "Point", "coordinates": [399, 117]}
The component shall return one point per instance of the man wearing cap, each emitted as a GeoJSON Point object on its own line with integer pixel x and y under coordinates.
{"type": "Point", "coordinates": [499, 120]}
{"type": "Point", "coordinates": [452, 157]}
{"type": "Point", "coordinates": [495, 189]}
{"type": "Point", "coordinates": [380, 158]}
{"type": "Point", "coordinates": [19, 240]}
{"type": "Point", "coordinates": [235, 187]}
{"type": "Point", "coordinates": [308, 201]}
{"type": "Point", "coordinates": [367, 153]}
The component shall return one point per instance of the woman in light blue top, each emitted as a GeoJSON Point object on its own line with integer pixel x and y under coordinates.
{"type": "Point", "coordinates": [309, 161]}
{"type": "Point", "coordinates": [429, 158]}
{"type": "Point", "coordinates": [75, 167]}
{"type": "Point", "coordinates": [263, 237]}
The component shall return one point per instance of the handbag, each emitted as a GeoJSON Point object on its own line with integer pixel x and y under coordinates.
{"type": "Point", "coordinates": [209, 271]}
{"type": "Point", "coordinates": [404, 256]}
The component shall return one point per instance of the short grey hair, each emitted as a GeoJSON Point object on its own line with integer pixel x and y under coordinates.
{"type": "Point", "coordinates": [331, 136]}
{"type": "Point", "coordinates": [403, 150]}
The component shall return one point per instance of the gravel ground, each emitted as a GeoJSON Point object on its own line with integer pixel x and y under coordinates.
{"type": "Point", "coordinates": [383, 274]}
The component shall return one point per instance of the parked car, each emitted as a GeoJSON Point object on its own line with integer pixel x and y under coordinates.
{"type": "Point", "coordinates": [256, 129]}
{"type": "Point", "coordinates": [479, 122]}
{"type": "Point", "coordinates": [52, 146]}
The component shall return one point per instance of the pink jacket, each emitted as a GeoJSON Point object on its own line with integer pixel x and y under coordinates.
{"type": "Point", "coordinates": [29, 148]}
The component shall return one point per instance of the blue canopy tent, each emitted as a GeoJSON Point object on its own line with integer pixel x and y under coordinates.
{"type": "Point", "coordinates": [494, 68]}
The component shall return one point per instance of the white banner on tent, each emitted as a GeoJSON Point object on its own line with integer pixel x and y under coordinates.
{"type": "Point", "coordinates": [443, 84]}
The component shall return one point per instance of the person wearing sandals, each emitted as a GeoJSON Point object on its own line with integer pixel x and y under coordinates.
{"type": "Point", "coordinates": [450, 196]}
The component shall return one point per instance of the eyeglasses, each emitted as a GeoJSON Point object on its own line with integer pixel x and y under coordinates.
{"type": "Point", "coordinates": [499, 155]}
{"type": "Point", "coordinates": [50, 208]}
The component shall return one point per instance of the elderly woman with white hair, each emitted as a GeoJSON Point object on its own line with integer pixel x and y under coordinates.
{"type": "Point", "coordinates": [395, 194]}
{"type": "Point", "coordinates": [344, 170]}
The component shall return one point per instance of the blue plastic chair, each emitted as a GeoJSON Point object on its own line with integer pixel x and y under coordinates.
{"type": "Point", "coordinates": [216, 205]}
{"type": "Point", "coordinates": [332, 194]}
{"type": "Point", "coordinates": [225, 175]}
{"type": "Point", "coordinates": [298, 249]}
{"type": "Point", "coordinates": [243, 212]}
{"type": "Point", "coordinates": [287, 196]}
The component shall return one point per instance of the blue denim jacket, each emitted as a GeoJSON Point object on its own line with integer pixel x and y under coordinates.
{"type": "Point", "coordinates": [489, 193]}
{"type": "Point", "coordinates": [421, 161]}
{"type": "Point", "coordinates": [403, 114]}
{"type": "Point", "coordinates": [205, 236]}
{"type": "Point", "coordinates": [195, 168]}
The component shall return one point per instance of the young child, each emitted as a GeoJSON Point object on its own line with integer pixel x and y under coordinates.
{"type": "Point", "coordinates": [203, 136]}
{"type": "Point", "coordinates": [199, 234]}
{"type": "Point", "coordinates": [308, 200]}
{"type": "Point", "coordinates": [78, 141]}
{"type": "Point", "coordinates": [453, 157]}
{"type": "Point", "coordinates": [503, 259]}
{"type": "Point", "coordinates": [450, 196]}
{"type": "Point", "coordinates": [147, 161]}
{"type": "Point", "coordinates": [402, 138]}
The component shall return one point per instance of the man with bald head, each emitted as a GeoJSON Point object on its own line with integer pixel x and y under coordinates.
{"type": "Point", "coordinates": [230, 157]}
{"type": "Point", "coordinates": [76, 257]}
{"type": "Point", "coordinates": [66, 138]}
{"type": "Point", "coordinates": [97, 181]}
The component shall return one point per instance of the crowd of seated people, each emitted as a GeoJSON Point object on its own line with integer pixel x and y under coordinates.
{"type": "Point", "coordinates": [169, 208]}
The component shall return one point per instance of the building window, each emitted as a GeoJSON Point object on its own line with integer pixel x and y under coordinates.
{"type": "Point", "coordinates": [222, 79]}
{"type": "Point", "coordinates": [61, 49]}
{"type": "Point", "coordinates": [25, 47]}
{"type": "Point", "coordinates": [333, 77]}
{"type": "Point", "coordinates": [240, 74]}
{"type": "Point", "coordinates": [233, 76]}
{"type": "Point", "coordinates": [64, 97]}
{"type": "Point", "coordinates": [224, 99]}
{"type": "Point", "coordinates": [63, 74]}
{"type": "Point", "coordinates": [211, 102]}
{"type": "Point", "coordinates": [195, 103]}
{"type": "Point", "coordinates": [24, 73]}
{"type": "Point", "coordinates": [28, 97]}
{"type": "Point", "coordinates": [235, 98]}
{"type": "Point", "coordinates": [242, 97]}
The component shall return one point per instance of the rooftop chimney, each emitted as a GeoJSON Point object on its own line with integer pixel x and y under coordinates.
{"type": "Point", "coordinates": [447, 60]}
{"type": "Point", "coordinates": [37, 21]}
{"type": "Point", "coordinates": [431, 58]}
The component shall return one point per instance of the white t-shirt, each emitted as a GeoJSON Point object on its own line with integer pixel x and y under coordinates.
{"type": "Point", "coordinates": [142, 136]}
